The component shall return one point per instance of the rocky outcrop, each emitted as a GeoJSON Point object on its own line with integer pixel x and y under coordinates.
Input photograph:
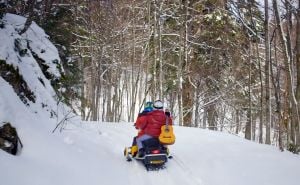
{"type": "Point", "coordinates": [13, 77]}
{"type": "Point", "coordinates": [9, 139]}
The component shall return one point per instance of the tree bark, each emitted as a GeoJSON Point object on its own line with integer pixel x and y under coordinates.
{"type": "Point", "coordinates": [180, 72]}
{"type": "Point", "coordinates": [298, 66]}
{"type": "Point", "coordinates": [188, 89]}
{"type": "Point", "coordinates": [249, 109]}
{"type": "Point", "coordinates": [288, 66]}
{"type": "Point", "coordinates": [279, 114]}
{"type": "Point", "coordinates": [211, 117]}
{"type": "Point", "coordinates": [197, 105]}
{"type": "Point", "coordinates": [267, 78]}
{"type": "Point", "coordinates": [237, 120]}
{"type": "Point", "coordinates": [160, 92]}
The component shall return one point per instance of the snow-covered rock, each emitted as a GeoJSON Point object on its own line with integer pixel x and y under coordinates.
{"type": "Point", "coordinates": [37, 61]}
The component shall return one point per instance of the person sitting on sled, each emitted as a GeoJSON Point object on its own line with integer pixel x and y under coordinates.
{"type": "Point", "coordinates": [150, 125]}
{"type": "Point", "coordinates": [140, 119]}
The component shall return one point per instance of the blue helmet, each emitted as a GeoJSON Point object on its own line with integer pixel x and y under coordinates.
{"type": "Point", "coordinates": [148, 106]}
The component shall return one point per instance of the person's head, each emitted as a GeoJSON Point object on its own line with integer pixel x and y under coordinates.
{"type": "Point", "coordinates": [158, 105]}
{"type": "Point", "coordinates": [148, 106]}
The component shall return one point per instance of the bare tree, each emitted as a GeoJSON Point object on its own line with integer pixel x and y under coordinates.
{"type": "Point", "coordinates": [267, 78]}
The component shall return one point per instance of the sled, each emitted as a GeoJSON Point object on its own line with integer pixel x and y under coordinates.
{"type": "Point", "coordinates": [156, 155]}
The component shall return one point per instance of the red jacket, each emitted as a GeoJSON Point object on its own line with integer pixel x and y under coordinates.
{"type": "Point", "coordinates": [141, 119]}
{"type": "Point", "coordinates": [151, 123]}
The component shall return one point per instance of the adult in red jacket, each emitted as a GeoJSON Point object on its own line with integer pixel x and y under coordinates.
{"type": "Point", "coordinates": [150, 125]}
{"type": "Point", "coordinates": [141, 119]}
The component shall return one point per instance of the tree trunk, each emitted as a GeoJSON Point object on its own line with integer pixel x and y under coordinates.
{"type": "Point", "coordinates": [205, 113]}
{"type": "Point", "coordinates": [267, 78]}
{"type": "Point", "coordinates": [197, 105]}
{"type": "Point", "coordinates": [187, 104]}
{"type": "Point", "coordinates": [253, 129]}
{"type": "Point", "coordinates": [298, 67]}
{"type": "Point", "coordinates": [249, 110]}
{"type": "Point", "coordinates": [211, 117]}
{"type": "Point", "coordinates": [260, 113]}
{"type": "Point", "coordinates": [133, 85]}
{"type": "Point", "coordinates": [109, 112]}
{"type": "Point", "coordinates": [180, 72]}
{"type": "Point", "coordinates": [294, 109]}
{"type": "Point", "coordinates": [288, 66]}
{"type": "Point", "coordinates": [237, 120]}
{"type": "Point", "coordinates": [160, 94]}
{"type": "Point", "coordinates": [155, 52]}
{"type": "Point", "coordinates": [278, 111]}
{"type": "Point", "coordinates": [222, 118]}
{"type": "Point", "coordinates": [248, 125]}
{"type": "Point", "coordinates": [188, 89]}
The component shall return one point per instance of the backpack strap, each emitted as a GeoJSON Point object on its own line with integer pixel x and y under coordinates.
{"type": "Point", "coordinates": [167, 122]}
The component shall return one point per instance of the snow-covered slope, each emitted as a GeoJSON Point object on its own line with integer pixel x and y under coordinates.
{"type": "Point", "coordinates": [92, 153]}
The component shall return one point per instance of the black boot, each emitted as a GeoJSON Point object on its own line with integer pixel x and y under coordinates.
{"type": "Point", "coordinates": [141, 153]}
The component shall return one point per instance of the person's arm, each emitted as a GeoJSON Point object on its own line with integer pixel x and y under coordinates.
{"type": "Point", "coordinates": [141, 122]}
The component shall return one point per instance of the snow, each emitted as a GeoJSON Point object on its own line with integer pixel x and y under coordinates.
{"type": "Point", "coordinates": [92, 152]}
{"type": "Point", "coordinates": [27, 65]}
{"type": "Point", "coordinates": [38, 41]}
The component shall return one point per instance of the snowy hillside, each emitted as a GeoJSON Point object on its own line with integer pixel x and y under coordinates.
{"type": "Point", "coordinates": [90, 153]}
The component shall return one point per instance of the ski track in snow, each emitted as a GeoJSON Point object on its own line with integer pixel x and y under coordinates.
{"type": "Point", "coordinates": [186, 170]}
{"type": "Point", "coordinates": [172, 174]}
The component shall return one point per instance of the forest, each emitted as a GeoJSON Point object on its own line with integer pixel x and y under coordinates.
{"type": "Point", "coordinates": [226, 65]}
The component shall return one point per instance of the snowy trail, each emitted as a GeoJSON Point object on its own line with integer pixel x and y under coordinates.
{"type": "Point", "coordinates": [92, 153]}
{"type": "Point", "coordinates": [199, 161]}
{"type": "Point", "coordinates": [174, 173]}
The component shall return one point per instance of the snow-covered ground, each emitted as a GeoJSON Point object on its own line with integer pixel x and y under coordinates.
{"type": "Point", "coordinates": [92, 153]}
